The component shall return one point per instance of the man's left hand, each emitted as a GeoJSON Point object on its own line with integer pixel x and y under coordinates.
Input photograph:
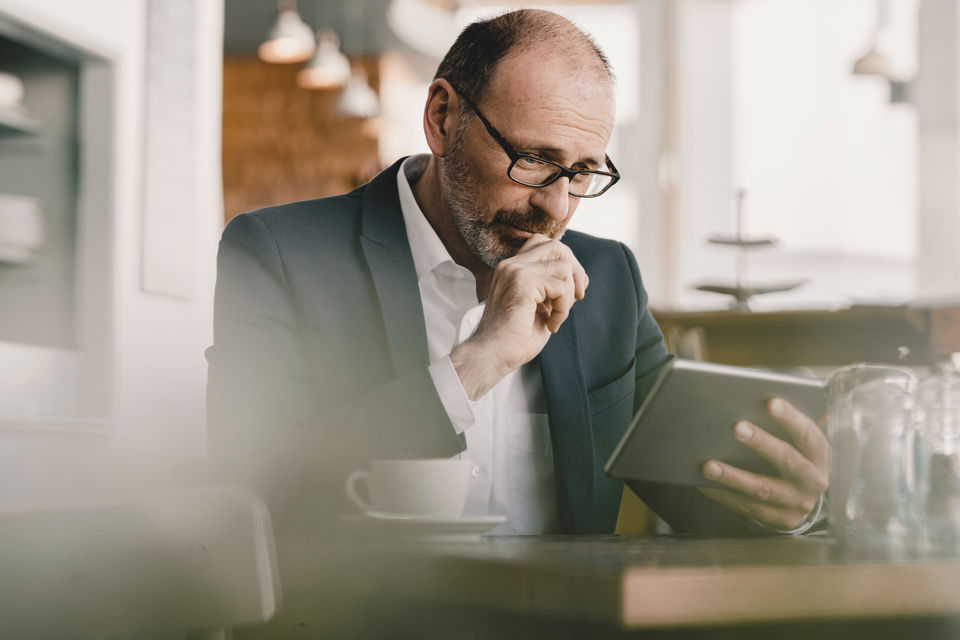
{"type": "Point", "coordinates": [783, 502]}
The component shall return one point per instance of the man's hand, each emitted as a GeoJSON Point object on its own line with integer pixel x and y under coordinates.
{"type": "Point", "coordinates": [530, 297]}
{"type": "Point", "coordinates": [782, 502]}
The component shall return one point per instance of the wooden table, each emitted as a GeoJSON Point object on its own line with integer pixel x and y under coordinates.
{"type": "Point", "coordinates": [616, 586]}
{"type": "Point", "coordinates": [814, 337]}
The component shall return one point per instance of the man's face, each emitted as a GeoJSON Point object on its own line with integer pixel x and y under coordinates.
{"type": "Point", "coordinates": [542, 107]}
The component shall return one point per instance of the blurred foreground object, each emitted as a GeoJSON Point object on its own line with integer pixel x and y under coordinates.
{"type": "Point", "coordinates": [198, 559]}
{"type": "Point", "coordinates": [22, 228]}
{"type": "Point", "coordinates": [11, 90]}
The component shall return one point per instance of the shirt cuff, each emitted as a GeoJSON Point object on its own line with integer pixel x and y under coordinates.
{"type": "Point", "coordinates": [460, 409]}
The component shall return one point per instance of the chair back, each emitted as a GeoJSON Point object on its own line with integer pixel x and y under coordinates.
{"type": "Point", "coordinates": [197, 559]}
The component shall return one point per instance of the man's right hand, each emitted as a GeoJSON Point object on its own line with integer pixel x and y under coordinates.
{"type": "Point", "coordinates": [530, 296]}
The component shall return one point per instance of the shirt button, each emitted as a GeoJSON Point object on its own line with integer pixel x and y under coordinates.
{"type": "Point", "coordinates": [475, 472]}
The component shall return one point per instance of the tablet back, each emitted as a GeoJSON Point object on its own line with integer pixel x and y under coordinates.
{"type": "Point", "coordinates": [688, 418]}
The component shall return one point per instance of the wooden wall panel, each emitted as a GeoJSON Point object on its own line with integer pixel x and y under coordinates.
{"type": "Point", "coordinates": [282, 143]}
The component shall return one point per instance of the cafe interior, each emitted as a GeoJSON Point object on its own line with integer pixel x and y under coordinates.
{"type": "Point", "coordinates": [789, 188]}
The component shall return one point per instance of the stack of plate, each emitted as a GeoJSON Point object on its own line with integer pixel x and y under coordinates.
{"type": "Point", "coordinates": [22, 232]}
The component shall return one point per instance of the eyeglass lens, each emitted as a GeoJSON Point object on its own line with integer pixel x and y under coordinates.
{"type": "Point", "coordinates": [535, 173]}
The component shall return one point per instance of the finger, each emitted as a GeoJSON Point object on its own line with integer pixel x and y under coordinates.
{"type": "Point", "coordinates": [533, 242]}
{"type": "Point", "coordinates": [539, 248]}
{"type": "Point", "coordinates": [535, 277]}
{"type": "Point", "coordinates": [783, 456]}
{"type": "Point", "coordinates": [807, 436]}
{"type": "Point", "coordinates": [559, 295]}
{"type": "Point", "coordinates": [772, 516]}
{"type": "Point", "coordinates": [759, 487]}
{"type": "Point", "coordinates": [580, 280]}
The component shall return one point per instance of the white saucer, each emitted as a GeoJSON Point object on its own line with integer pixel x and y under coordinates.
{"type": "Point", "coordinates": [404, 524]}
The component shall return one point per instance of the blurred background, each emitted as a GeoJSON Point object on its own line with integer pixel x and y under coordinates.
{"type": "Point", "coordinates": [806, 147]}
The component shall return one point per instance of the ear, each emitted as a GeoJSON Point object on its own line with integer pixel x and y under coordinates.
{"type": "Point", "coordinates": [441, 116]}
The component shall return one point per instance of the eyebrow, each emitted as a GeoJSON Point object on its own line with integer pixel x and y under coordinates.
{"type": "Point", "coordinates": [555, 151]}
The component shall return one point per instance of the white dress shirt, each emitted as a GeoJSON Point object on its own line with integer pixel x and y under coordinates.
{"type": "Point", "coordinates": [507, 434]}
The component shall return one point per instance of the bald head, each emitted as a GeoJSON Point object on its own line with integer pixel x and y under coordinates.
{"type": "Point", "coordinates": [472, 60]}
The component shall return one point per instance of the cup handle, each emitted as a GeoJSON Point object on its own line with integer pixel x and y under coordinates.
{"type": "Point", "coordinates": [350, 486]}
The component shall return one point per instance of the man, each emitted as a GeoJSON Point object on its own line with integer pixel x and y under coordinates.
{"type": "Point", "coordinates": [440, 311]}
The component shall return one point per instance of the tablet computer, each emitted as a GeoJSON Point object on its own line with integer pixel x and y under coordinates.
{"type": "Point", "coordinates": [688, 418]}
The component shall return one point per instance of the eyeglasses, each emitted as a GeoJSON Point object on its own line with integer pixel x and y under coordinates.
{"type": "Point", "coordinates": [533, 171]}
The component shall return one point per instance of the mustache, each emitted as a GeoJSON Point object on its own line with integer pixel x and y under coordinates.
{"type": "Point", "coordinates": [530, 220]}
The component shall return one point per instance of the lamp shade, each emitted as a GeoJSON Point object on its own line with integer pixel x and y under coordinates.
{"type": "Point", "coordinates": [873, 63]}
{"type": "Point", "coordinates": [358, 100]}
{"type": "Point", "coordinates": [289, 40]}
{"type": "Point", "coordinates": [329, 68]}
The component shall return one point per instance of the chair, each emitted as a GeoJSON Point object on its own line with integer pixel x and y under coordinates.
{"type": "Point", "coordinates": [195, 560]}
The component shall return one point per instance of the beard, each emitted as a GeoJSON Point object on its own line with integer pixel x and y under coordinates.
{"type": "Point", "coordinates": [477, 228]}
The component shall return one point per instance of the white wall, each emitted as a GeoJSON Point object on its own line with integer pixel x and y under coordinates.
{"type": "Point", "coordinates": [766, 101]}
{"type": "Point", "coordinates": [703, 76]}
{"type": "Point", "coordinates": [937, 94]}
{"type": "Point", "coordinates": [157, 342]}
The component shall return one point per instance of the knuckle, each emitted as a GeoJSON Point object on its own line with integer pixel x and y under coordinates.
{"type": "Point", "coordinates": [764, 489]}
{"type": "Point", "coordinates": [793, 462]}
{"type": "Point", "coordinates": [809, 438]}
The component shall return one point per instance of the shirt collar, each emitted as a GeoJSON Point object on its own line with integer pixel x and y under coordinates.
{"type": "Point", "coordinates": [425, 245]}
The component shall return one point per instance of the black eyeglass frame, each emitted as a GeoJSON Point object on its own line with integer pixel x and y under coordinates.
{"type": "Point", "coordinates": [515, 155]}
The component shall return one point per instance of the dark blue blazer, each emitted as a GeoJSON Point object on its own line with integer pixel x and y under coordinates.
{"type": "Point", "coordinates": [319, 363]}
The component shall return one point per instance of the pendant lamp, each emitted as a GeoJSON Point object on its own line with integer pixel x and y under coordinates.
{"type": "Point", "coordinates": [289, 40]}
{"type": "Point", "coordinates": [357, 99]}
{"type": "Point", "coordinates": [875, 62]}
{"type": "Point", "coordinates": [329, 68]}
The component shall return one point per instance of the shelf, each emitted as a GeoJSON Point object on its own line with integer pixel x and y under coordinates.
{"type": "Point", "coordinates": [14, 122]}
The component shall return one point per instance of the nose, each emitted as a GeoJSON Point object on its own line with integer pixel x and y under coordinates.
{"type": "Point", "coordinates": [553, 199]}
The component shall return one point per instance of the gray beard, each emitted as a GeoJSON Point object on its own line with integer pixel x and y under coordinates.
{"type": "Point", "coordinates": [458, 185]}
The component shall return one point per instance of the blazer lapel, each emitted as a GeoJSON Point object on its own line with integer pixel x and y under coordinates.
{"type": "Point", "coordinates": [566, 395]}
{"type": "Point", "coordinates": [383, 239]}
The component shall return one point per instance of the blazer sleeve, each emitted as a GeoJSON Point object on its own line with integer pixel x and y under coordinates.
{"type": "Point", "coordinates": [267, 428]}
{"type": "Point", "coordinates": [685, 509]}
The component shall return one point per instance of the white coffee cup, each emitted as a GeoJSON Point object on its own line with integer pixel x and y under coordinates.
{"type": "Point", "coordinates": [432, 488]}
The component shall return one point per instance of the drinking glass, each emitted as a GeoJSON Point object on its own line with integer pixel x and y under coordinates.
{"type": "Point", "coordinates": [937, 456]}
{"type": "Point", "coordinates": [870, 425]}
